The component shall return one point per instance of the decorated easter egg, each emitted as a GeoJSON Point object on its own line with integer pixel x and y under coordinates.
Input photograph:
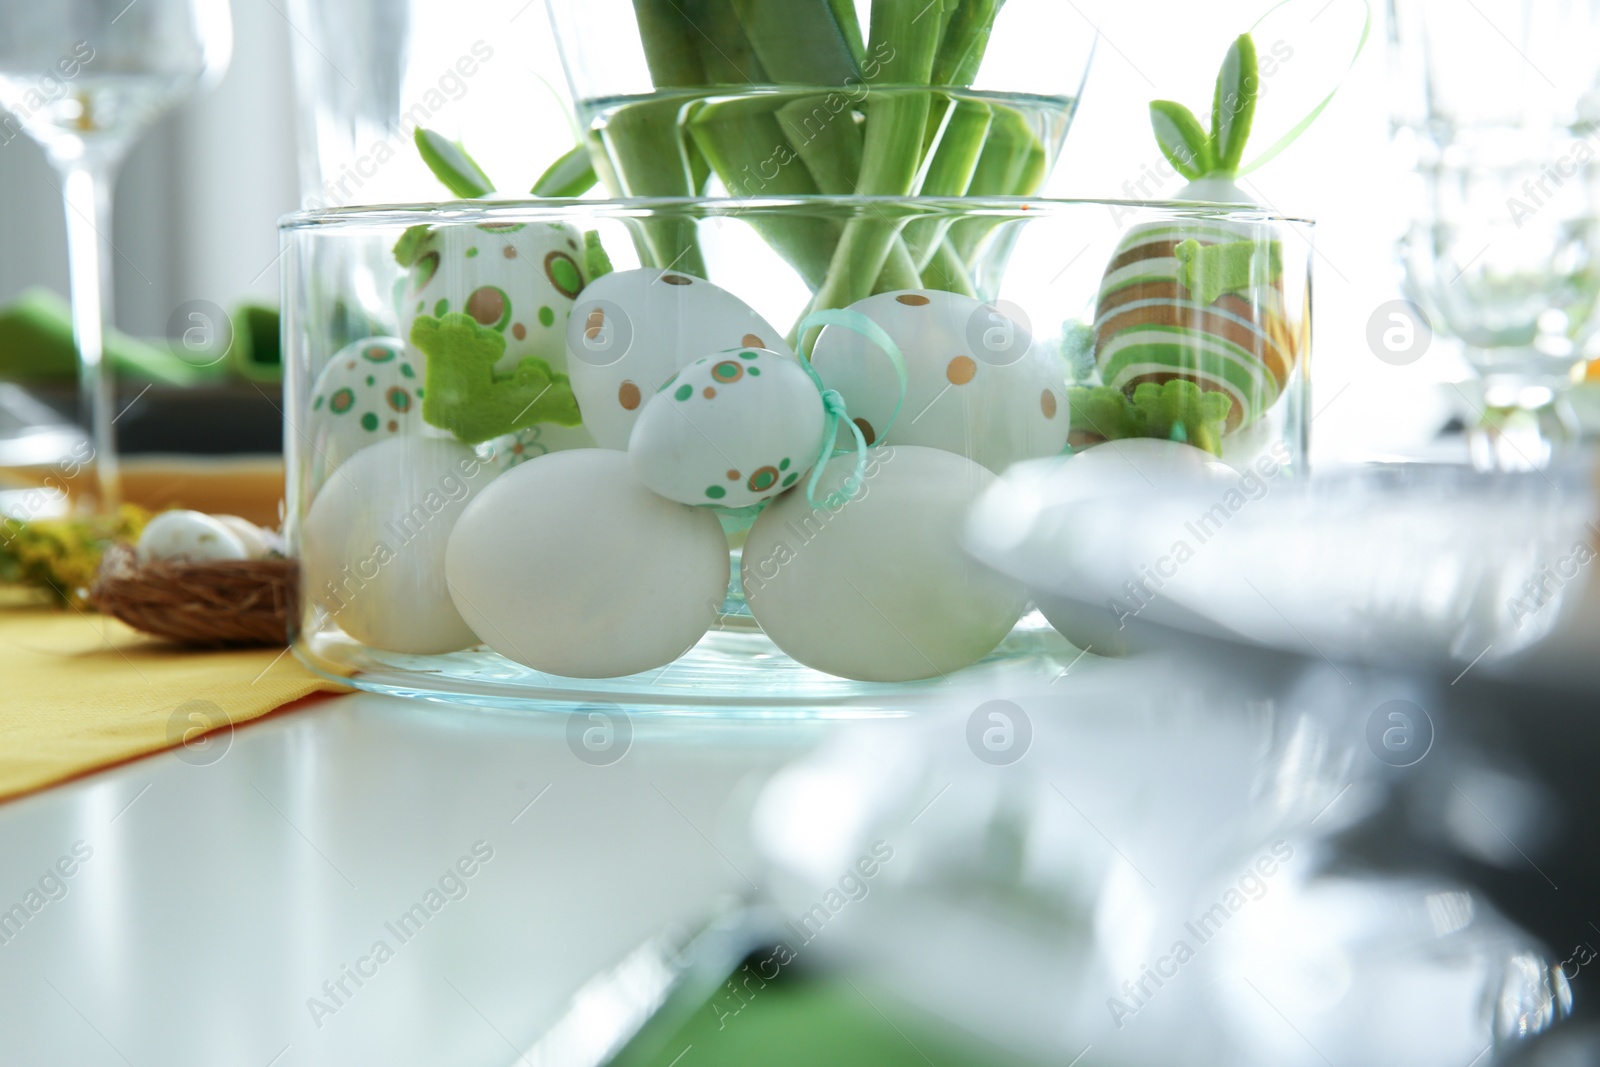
{"type": "Point", "coordinates": [977, 384]}
{"type": "Point", "coordinates": [1199, 301]}
{"type": "Point", "coordinates": [568, 565]}
{"type": "Point", "coordinates": [190, 536]}
{"type": "Point", "coordinates": [878, 589]}
{"type": "Point", "coordinates": [373, 542]}
{"type": "Point", "coordinates": [519, 279]}
{"type": "Point", "coordinates": [632, 329]}
{"type": "Point", "coordinates": [370, 391]}
{"type": "Point", "coordinates": [731, 429]}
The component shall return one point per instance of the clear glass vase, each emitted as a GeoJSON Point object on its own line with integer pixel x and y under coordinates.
{"type": "Point", "coordinates": [806, 97]}
{"type": "Point", "coordinates": [528, 449]}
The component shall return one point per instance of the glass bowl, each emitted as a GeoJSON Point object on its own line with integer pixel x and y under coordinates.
{"type": "Point", "coordinates": [535, 462]}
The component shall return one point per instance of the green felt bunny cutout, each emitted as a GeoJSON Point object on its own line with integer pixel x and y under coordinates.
{"type": "Point", "coordinates": [467, 397]}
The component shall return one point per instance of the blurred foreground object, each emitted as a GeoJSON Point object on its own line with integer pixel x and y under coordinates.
{"type": "Point", "coordinates": [1427, 567]}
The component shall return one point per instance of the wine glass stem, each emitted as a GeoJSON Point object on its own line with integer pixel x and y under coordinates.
{"type": "Point", "coordinates": [87, 192]}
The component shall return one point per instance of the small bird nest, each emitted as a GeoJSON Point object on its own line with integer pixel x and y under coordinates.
{"type": "Point", "coordinates": [224, 604]}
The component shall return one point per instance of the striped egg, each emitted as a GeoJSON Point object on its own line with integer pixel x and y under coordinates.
{"type": "Point", "coordinates": [1150, 326]}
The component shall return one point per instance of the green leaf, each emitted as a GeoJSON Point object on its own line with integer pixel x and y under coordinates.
{"type": "Point", "coordinates": [1233, 105]}
{"type": "Point", "coordinates": [570, 176]}
{"type": "Point", "coordinates": [1181, 137]}
{"type": "Point", "coordinates": [412, 244]}
{"type": "Point", "coordinates": [467, 397]}
{"type": "Point", "coordinates": [451, 165]}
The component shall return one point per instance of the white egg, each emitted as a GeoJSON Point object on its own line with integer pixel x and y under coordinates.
{"type": "Point", "coordinates": [569, 565]}
{"type": "Point", "coordinates": [1132, 464]}
{"type": "Point", "coordinates": [370, 391]}
{"type": "Point", "coordinates": [373, 542]}
{"type": "Point", "coordinates": [978, 384]}
{"type": "Point", "coordinates": [879, 589]}
{"type": "Point", "coordinates": [519, 279]}
{"type": "Point", "coordinates": [190, 536]}
{"type": "Point", "coordinates": [732, 429]}
{"type": "Point", "coordinates": [259, 542]}
{"type": "Point", "coordinates": [632, 329]}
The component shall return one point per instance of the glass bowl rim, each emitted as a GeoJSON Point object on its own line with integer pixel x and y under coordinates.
{"type": "Point", "coordinates": [470, 212]}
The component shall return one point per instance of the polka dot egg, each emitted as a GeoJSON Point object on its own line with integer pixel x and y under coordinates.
{"type": "Point", "coordinates": [632, 329]}
{"type": "Point", "coordinates": [732, 429]}
{"type": "Point", "coordinates": [370, 391]}
{"type": "Point", "coordinates": [519, 279]}
{"type": "Point", "coordinates": [978, 385]}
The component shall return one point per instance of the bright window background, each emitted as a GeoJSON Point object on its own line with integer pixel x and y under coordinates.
{"type": "Point", "coordinates": [200, 198]}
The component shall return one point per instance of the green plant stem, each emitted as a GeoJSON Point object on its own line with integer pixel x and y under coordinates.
{"type": "Point", "coordinates": [642, 152]}
{"type": "Point", "coordinates": [651, 158]}
{"type": "Point", "coordinates": [744, 142]}
{"type": "Point", "coordinates": [908, 30]}
{"type": "Point", "coordinates": [899, 270]}
{"type": "Point", "coordinates": [946, 270]}
{"type": "Point", "coordinates": [961, 51]}
{"type": "Point", "coordinates": [800, 42]}
{"type": "Point", "coordinates": [726, 52]}
{"type": "Point", "coordinates": [950, 173]}
{"type": "Point", "coordinates": [844, 12]}
{"type": "Point", "coordinates": [673, 58]}
{"type": "Point", "coordinates": [1013, 163]}
{"type": "Point", "coordinates": [828, 141]}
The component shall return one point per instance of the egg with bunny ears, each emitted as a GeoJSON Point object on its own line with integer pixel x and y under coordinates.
{"type": "Point", "coordinates": [978, 384]}
{"type": "Point", "coordinates": [631, 330]}
{"type": "Point", "coordinates": [732, 429]}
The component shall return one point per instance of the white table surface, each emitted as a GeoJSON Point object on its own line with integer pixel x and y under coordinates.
{"type": "Point", "coordinates": [219, 897]}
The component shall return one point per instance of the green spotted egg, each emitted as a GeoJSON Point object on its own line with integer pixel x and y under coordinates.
{"type": "Point", "coordinates": [732, 429]}
{"type": "Point", "coordinates": [370, 391]}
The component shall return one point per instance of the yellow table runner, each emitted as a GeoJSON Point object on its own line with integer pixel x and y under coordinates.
{"type": "Point", "coordinates": [81, 691]}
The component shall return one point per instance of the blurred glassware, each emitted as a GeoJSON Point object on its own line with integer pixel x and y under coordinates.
{"type": "Point", "coordinates": [1201, 798]}
{"type": "Point", "coordinates": [350, 63]}
{"type": "Point", "coordinates": [84, 78]}
{"type": "Point", "coordinates": [674, 95]}
{"type": "Point", "coordinates": [1495, 104]}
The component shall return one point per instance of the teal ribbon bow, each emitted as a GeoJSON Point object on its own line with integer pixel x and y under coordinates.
{"type": "Point", "coordinates": [833, 405]}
